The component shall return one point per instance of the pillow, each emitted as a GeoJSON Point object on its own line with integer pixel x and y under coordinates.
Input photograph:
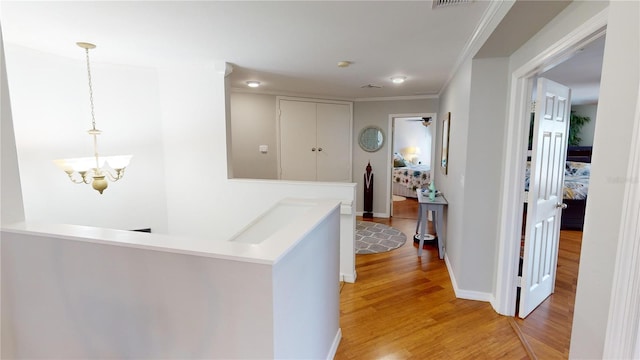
{"type": "Point", "coordinates": [398, 160]}
{"type": "Point", "coordinates": [399, 163]}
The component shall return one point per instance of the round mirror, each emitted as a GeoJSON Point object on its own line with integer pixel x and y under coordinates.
{"type": "Point", "coordinates": [371, 138]}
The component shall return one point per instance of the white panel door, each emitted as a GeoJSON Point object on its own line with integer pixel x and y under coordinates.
{"type": "Point", "coordinates": [542, 234]}
{"type": "Point", "coordinates": [334, 142]}
{"type": "Point", "coordinates": [297, 140]}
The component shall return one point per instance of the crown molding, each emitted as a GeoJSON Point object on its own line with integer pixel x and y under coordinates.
{"type": "Point", "coordinates": [496, 11]}
{"type": "Point", "coordinates": [286, 93]}
{"type": "Point", "coordinates": [325, 97]}
{"type": "Point", "coordinates": [397, 98]}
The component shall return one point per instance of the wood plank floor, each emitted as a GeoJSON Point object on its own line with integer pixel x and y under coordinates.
{"type": "Point", "coordinates": [404, 307]}
{"type": "Point", "coordinates": [548, 328]}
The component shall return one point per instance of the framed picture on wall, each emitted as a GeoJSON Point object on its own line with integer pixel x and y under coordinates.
{"type": "Point", "coordinates": [444, 156]}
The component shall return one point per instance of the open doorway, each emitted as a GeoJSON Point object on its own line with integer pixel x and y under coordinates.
{"type": "Point", "coordinates": [412, 159]}
{"type": "Point", "coordinates": [578, 65]}
{"type": "Point", "coordinates": [554, 313]}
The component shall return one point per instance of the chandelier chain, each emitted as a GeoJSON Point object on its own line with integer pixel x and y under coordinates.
{"type": "Point", "coordinates": [93, 117]}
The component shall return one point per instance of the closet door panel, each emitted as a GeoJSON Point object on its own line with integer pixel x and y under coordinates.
{"type": "Point", "coordinates": [297, 140]}
{"type": "Point", "coordinates": [334, 138]}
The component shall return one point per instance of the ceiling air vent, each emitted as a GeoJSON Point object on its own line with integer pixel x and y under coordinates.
{"type": "Point", "coordinates": [442, 3]}
{"type": "Point", "coordinates": [371, 86]}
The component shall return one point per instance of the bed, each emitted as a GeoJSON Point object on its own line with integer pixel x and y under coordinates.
{"type": "Point", "coordinates": [408, 177]}
{"type": "Point", "coordinates": [576, 186]}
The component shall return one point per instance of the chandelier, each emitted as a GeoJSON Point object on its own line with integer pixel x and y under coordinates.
{"type": "Point", "coordinates": [94, 170]}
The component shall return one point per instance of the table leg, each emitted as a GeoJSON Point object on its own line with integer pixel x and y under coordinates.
{"type": "Point", "coordinates": [439, 232]}
{"type": "Point", "coordinates": [419, 218]}
{"type": "Point", "coordinates": [423, 228]}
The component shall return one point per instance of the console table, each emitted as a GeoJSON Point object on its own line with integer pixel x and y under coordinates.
{"type": "Point", "coordinates": [437, 211]}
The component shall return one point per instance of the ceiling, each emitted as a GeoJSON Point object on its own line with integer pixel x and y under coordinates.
{"type": "Point", "coordinates": [291, 47]}
{"type": "Point", "coordinates": [581, 72]}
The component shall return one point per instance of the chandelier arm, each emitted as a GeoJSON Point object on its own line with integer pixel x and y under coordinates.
{"type": "Point", "coordinates": [119, 173]}
{"type": "Point", "coordinates": [79, 177]}
{"type": "Point", "coordinates": [87, 176]}
{"type": "Point", "coordinates": [73, 177]}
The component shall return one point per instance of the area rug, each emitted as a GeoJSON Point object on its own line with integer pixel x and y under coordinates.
{"type": "Point", "coordinates": [399, 198]}
{"type": "Point", "coordinates": [373, 238]}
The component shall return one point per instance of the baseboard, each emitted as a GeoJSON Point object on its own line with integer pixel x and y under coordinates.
{"type": "Point", "coordinates": [465, 294]}
{"type": "Point", "coordinates": [334, 345]}
{"type": "Point", "coordinates": [350, 278]}
{"type": "Point", "coordinates": [494, 304]}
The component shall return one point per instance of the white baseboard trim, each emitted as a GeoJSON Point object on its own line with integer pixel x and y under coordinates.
{"type": "Point", "coordinates": [334, 345]}
{"type": "Point", "coordinates": [465, 294]}
{"type": "Point", "coordinates": [494, 304]}
{"type": "Point", "coordinates": [350, 278]}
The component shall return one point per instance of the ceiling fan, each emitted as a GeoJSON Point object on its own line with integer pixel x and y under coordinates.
{"type": "Point", "coordinates": [426, 121]}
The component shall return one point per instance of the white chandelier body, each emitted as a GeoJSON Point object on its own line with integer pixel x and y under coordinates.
{"type": "Point", "coordinates": [94, 170]}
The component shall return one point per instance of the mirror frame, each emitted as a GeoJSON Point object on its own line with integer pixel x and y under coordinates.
{"type": "Point", "coordinates": [370, 147]}
{"type": "Point", "coordinates": [444, 153]}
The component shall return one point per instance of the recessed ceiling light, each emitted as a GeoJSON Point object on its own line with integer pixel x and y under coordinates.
{"type": "Point", "coordinates": [344, 64]}
{"type": "Point", "coordinates": [253, 84]}
{"type": "Point", "coordinates": [398, 79]}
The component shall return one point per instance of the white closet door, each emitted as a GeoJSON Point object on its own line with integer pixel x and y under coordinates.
{"type": "Point", "coordinates": [334, 142]}
{"type": "Point", "coordinates": [297, 140]}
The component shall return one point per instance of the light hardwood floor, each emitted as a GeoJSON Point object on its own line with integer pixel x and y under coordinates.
{"type": "Point", "coordinates": [404, 307]}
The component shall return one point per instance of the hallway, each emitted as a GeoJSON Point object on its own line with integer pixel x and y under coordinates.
{"type": "Point", "coordinates": [402, 306]}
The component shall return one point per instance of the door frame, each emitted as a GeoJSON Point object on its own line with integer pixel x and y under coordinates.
{"type": "Point", "coordinates": [521, 85]}
{"type": "Point", "coordinates": [391, 135]}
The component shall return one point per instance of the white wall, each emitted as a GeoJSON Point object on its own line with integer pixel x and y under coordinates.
{"type": "Point", "coordinates": [377, 113]}
{"type": "Point", "coordinates": [476, 99]}
{"type": "Point", "coordinates": [313, 313]}
{"type": "Point", "coordinates": [488, 113]}
{"type": "Point", "coordinates": [193, 118]}
{"type": "Point", "coordinates": [78, 292]}
{"type": "Point", "coordinates": [253, 123]}
{"type": "Point", "coordinates": [455, 99]}
{"type": "Point", "coordinates": [208, 203]}
{"type": "Point", "coordinates": [119, 302]}
{"type": "Point", "coordinates": [587, 132]}
{"type": "Point", "coordinates": [411, 133]}
{"type": "Point", "coordinates": [12, 208]}
{"type": "Point", "coordinates": [51, 116]}
{"type": "Point", "coordinates": [616, 109]}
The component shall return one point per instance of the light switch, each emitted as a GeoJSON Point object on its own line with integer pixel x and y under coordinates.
{"type": "Point", "coordinates": [263, 148]}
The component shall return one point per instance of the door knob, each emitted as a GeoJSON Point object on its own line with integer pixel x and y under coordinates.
{"type": "Point", "coordinates": [319, 149]}
{"type": "Point", "coordinates": [313, 149]}
{"type": "Point", "coordinates": [561, 206]}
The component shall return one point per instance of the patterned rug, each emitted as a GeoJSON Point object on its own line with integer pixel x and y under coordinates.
{"type": "Point", "coordinates": [373, 238]}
